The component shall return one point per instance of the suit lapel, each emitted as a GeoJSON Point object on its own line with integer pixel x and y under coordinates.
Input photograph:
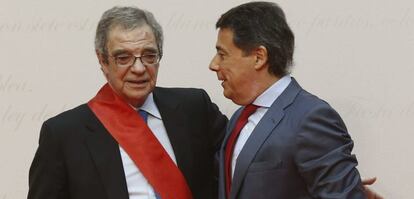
{"type": "Point", "coordinates": [261, 132]}
{"type": "Point", "coordinates": [222, 168]}
{"type": "Point", "coordinates": [230, 126]}
{"type": "Point", "coordinates": [176, 125]}
{"type": "Point", "coordinates": [253, 144]}
{"type": "Point", "coordinates": [105, 154]}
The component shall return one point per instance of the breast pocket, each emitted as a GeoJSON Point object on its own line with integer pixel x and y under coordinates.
{"type": "Point", "coordinates": [265, 166]}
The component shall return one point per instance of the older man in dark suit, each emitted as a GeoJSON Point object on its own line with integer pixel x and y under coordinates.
{"type": "Point", "coordinates": [106, 149]}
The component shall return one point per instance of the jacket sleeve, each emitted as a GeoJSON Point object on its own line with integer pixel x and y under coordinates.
{"type": "Point", "coordinates": [47, 177]}
{"type": "Point", "coordinates": [324, 156]}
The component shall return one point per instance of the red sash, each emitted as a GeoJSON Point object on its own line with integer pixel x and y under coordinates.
{"type": "Point", "coordinates": [133, 134]}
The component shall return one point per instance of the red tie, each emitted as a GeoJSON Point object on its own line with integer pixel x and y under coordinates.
{"type": "Point", "coordinates": [247, 111]}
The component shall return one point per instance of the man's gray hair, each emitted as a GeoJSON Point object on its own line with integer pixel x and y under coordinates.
{"type": "Point", "coordinates": [127, 18]}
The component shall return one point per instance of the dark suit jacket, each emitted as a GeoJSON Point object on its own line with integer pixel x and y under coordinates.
{"type": "Point", "coordinates": [78, 159]}
{"type": "Point", "coordinates": [299, 149]}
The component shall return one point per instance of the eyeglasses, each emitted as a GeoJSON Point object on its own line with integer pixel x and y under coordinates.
{"type": "Point", "coordinates": [127, 60]}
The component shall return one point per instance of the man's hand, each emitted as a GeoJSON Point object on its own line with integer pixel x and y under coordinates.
{"type": "Point", "coordinates": [369, 192]}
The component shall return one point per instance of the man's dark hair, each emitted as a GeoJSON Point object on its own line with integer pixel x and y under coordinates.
{"type": "Point", "coordinates": [257, 24]}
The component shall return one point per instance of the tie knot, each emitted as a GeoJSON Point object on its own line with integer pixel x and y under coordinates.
{"type": "Point", "coordinates": [143, 114]}
{"type": "Point", "coordinates": [249, 109]}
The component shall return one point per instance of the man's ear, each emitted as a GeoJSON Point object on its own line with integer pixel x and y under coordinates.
{"type": "Point", "coordinates": [261, 58]}
{"type": "Point", "coordinates": [102, 61]}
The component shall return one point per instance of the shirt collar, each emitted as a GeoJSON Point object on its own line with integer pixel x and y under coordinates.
{"type": "Point", "coordinates": [267, 98]}
{"type": "Point", "coordinates": [150, 107]}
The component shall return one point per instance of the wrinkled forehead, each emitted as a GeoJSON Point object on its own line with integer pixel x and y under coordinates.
{"type": "Point", "coordinates": [119, 32]}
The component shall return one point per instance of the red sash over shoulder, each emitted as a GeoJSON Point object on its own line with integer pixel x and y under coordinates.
{"type": "Point", "coordinates": [133, 134]}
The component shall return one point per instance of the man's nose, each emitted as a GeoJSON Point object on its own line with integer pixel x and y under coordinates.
{"type": "Point", "coordinates": [138, 66]}
{"type": "Point", "coordinates": [213, 64]}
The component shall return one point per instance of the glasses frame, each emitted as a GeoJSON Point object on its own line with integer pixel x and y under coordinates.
{"type": "Point", "coordinates": [140, 59]}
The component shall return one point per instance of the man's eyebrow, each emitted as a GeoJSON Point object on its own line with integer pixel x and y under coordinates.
{"type": "Point", "coordinates": [150, 49]}
{"type": "Point", "coordinates": [144, 50]}
{"type": "Point", "coordinates": [118, 52]}
{"type": "Point", "coordinates": [219, 48]}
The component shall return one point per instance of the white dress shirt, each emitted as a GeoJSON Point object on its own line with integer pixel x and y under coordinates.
{"type": "Point", "coordinates": [264, 101]}
{"type": "Point", "coordinates": [138, 186]}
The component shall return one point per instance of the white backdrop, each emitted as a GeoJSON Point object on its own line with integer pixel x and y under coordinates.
{"type": "Point", "coordinates": [356, 54]}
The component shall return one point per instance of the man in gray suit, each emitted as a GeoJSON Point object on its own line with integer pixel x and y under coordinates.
{"type": "Point", "coordinates": [283, 142]}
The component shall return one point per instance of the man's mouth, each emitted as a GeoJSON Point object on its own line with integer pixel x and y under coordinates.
{"type": "Point", "coordinates": [137, 82]}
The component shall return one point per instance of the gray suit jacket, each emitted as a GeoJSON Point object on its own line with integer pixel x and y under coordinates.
{"type": "Point", "coordinates": [299, 149]}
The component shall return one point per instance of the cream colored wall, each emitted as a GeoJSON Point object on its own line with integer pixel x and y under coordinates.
{"type": "Point", "coordinates": [356, 54]}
